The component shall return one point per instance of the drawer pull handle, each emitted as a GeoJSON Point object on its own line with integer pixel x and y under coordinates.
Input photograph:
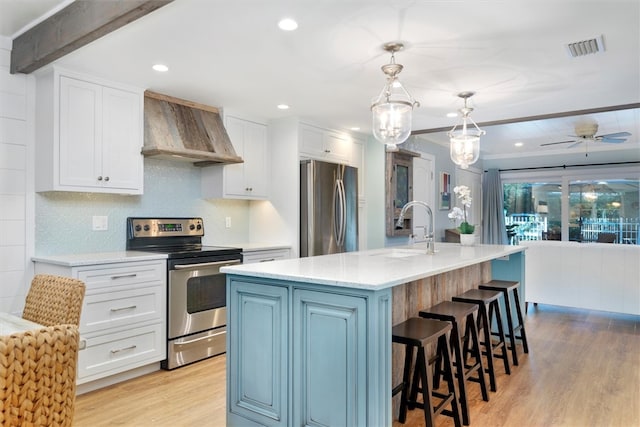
{"type": "Point", "coordinates": [122, 276]}
{"type": "Point", "coordinates": [131, 347]}
{"type": "Point", "coordinates": [267, 260]}
{"type": "Point", "coordinates": [131, 307]}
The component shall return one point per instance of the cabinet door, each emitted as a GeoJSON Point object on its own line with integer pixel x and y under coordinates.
{"type": "Point", "coordinates": [256, 174]}
{"type": "Point", "coordinates": [329, 359]}
{"type": "Point", "coordinates": [80, 133]}
{"type": "Point", "coordinates": [122, 160]}
{"type": "Point", "coordinates": [234, 173]}
{"type": "Point", "coordinates": [337, 147]}
{"type": "Point", "coordinates": [257, 354]}
{"type": "Point", "coordinates": [311, 142]}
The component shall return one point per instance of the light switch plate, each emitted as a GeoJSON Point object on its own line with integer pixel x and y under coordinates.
{"type": "Point", "coordinates": [100, 223]}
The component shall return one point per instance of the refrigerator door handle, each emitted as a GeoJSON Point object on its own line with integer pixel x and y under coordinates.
{"type": "Point", "coordinates": [343, 213]}
{"type": "Point", "coordinates": [336, 211]}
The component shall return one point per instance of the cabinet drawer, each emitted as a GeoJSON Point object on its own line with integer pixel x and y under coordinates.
{"type": "Point", "coordinates": [264, 256]}
{"type": "Point", "coordinates": [123, 275]}
{"type": "Point", "coordinates": [113, 353]}
{"type": "Point", "coordinates": [121, 308]}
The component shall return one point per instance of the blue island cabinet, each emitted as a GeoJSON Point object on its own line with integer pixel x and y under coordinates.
{"type": "Point", "coordinates": [301, 354]}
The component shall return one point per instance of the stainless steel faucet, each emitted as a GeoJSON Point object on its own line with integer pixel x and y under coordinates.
{"type": "Point", "coordinates": [431, 245]}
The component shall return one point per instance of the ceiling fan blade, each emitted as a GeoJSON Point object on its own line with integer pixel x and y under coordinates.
{"type": "Point", "coordinates": [612, 140]}
{"type": "Point", "coordinates": [575, 144]}
{"type": "Point", "coordinates": [556, 143]}
{"type": "Point", "coordinates": [614, 135]}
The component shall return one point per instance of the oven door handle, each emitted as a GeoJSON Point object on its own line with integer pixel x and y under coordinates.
{"type": "Point", "coordinates": [206, 264]}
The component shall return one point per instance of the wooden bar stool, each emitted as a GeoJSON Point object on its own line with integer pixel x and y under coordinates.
{"type": "Point", "coordinates": [463, 319]}
{"type": "Point", "coordinates": [418, 332]}
{"type": "Point", "coordinates": [505, 286]}
{"type": "Point", "coordinates": [488, 309]}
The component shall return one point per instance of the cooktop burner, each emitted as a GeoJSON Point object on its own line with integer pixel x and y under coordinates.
{"type": "Point", "coordinates": [176, 237]}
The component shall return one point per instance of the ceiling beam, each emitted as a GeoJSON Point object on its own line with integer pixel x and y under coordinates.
{"type": "Point", "coordinates": [539, 117]}
{"type": "Point", "coordinates": [78, 24]}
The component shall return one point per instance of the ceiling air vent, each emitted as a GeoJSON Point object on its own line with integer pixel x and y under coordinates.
{"type": "Point", "coordinates": [586, 47]}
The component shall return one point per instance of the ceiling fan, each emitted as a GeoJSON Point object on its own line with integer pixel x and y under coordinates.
{"type": "Point", "coordinates": [587, 132]}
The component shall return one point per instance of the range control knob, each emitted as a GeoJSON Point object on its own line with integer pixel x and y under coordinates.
{"type": "Point", "coordinates": [192, 227]}
{"type": "Point", "coordinates": [199, 227]}
{"type": "Point", "coordinates": [138, 227]}
{"type": "Point", "coordinates": [146, 228]}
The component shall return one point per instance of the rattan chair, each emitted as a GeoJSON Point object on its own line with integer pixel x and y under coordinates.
{"type": "Point", "coordinates": [54, 300]}
{"type": "Point", "coordinates": [38, 376]}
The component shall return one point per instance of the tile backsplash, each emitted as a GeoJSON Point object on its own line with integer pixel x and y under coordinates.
{"type": "Point", "coordinates": [64, 219]}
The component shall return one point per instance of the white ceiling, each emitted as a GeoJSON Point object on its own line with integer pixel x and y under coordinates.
{"type": "Point", "coordinates": [511, 53]}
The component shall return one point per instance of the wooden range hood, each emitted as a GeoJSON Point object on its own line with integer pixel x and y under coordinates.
{"type": "Point", "coordinates": [183, 130]}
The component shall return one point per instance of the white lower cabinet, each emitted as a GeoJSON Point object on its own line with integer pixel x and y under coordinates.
{"type": "Point", "coordinates": [122, 324]}
{"type": "Point", "coordinates": [264, 255]}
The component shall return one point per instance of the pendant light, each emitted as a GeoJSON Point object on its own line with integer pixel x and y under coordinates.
{"type": "Point", "coordinates": [465, 142]}
{"type": "Point", "coordinates": [392, 109]}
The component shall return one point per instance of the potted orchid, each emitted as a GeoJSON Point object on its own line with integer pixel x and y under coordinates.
{"type": "Point", "coordinates": [464, 194]}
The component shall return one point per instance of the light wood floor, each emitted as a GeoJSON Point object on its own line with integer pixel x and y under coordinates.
{"type": "Point", "coordinates": [583, 369]}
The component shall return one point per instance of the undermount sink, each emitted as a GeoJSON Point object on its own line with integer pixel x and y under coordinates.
{"type": "Point", "coordinates": [400, 253]}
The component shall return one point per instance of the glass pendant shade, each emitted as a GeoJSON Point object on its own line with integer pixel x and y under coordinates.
{"type": "Point", "coordinates": [391, 114]}
{"type": "Point", "coordinates": [392, 109]}
{"type": "Point", "coordinates": [464, 146]}
{"type": "Point", "coordinates": [464, 149]}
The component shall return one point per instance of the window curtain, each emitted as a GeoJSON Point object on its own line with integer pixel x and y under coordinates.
{"type": "Point", "coordinates": [494, 230]}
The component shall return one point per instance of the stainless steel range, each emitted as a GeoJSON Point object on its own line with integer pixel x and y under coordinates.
{"type": "Point", "coordinates": [196, 289]}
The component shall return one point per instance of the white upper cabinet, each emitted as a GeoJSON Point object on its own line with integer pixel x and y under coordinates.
{"type": "Point", "coordinates": [324, 144]}
{"type": "Point", "coordinates": [248, 180]}
{"type": "Point", "coordinates": [89, 135]}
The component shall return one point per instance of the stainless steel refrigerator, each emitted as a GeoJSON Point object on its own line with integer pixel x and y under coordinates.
{"type": "Point", "coordinates": [328, 208]}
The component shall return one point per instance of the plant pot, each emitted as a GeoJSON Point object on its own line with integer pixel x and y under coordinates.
{"type": "Point", "coordinates": [467, 239]}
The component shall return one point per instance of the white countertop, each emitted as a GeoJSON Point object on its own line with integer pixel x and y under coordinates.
{"type": "Point", "coordinates": [375, 269]}
{"type": "Point", "coordinates": [98, 258]}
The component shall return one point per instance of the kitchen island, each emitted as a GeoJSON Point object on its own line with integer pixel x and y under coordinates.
{"type": "Point", "coordinates": [309, 339]}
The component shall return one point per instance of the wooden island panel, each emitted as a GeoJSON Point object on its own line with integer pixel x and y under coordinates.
{"type": "Point", "coordinates": [409, 298]}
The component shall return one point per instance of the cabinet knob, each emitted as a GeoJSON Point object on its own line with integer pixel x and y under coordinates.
{"type": "Point", "coordinates": [327, 151]}
{"type": "Point", "coordinates": [100, 178]}
{"type": "Point", "coordinates": [106, 178]}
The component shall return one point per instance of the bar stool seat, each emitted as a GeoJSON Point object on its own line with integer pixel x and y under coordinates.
{"type": "Point", "coordinates": [488, 309]}
{"type": "Point", "coordinates": [417, 333]}
{"type": "Point", "coordinates": [505, 287]}
{"type": "Point", "coordinates": [463, 319]}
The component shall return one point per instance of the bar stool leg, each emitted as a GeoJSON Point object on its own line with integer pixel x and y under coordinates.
{"type": "Point", "coordinates": [512, 334]}
{"type": "Point", "coordinates": [523, 334]}
{"type": "Point", "coordinates": [443, 343]}
{"type": "Point", "coordinates": [494, 309]}
{"type": "Point", "coordinates": [472, 330]}
{"type": "Point", "coordinates": [483, 323]}
{"type": "Point", "coordinates": [405, 383]}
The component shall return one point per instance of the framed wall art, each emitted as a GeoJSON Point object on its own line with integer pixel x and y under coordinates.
{"type": "Point", "coordinates": [445, 191]}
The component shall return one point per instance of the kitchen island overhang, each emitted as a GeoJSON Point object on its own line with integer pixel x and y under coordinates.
{"type": "Point", "coordinates": [309, 339]}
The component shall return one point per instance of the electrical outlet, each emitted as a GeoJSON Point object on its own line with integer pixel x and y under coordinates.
{"type": "Point", "coordinates": [100, 223]}
{"type": "Point", "coordinates": [227, 222]}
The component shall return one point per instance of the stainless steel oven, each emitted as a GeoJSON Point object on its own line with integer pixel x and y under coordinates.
{"type": "Point", "coordinates": [197, 312]}
{"type": "Point", "coordinates": [196, 289]}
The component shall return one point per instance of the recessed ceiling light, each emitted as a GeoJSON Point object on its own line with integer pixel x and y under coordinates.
{"type": "Point", "coordinates": [161, 68]}
{"type": "Point", "coordinates": [283, 107]}
{"type": "Point", "coordinates": [287, 24]}
{"type": "Point", "coordinates": [355, 128]}
{"type": "Point", "coordinates": [452, 114]}
{"type": "Point", "coordinates": [519, 144]}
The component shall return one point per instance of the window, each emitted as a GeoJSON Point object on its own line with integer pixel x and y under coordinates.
{"type": "Point", "coordinates": [571, 207]}
{"type": "Point", "coordinates": [604, 210]}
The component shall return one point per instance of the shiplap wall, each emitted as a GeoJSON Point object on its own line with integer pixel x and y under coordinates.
{"type": "Point", "coordinates": [16, 115]}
